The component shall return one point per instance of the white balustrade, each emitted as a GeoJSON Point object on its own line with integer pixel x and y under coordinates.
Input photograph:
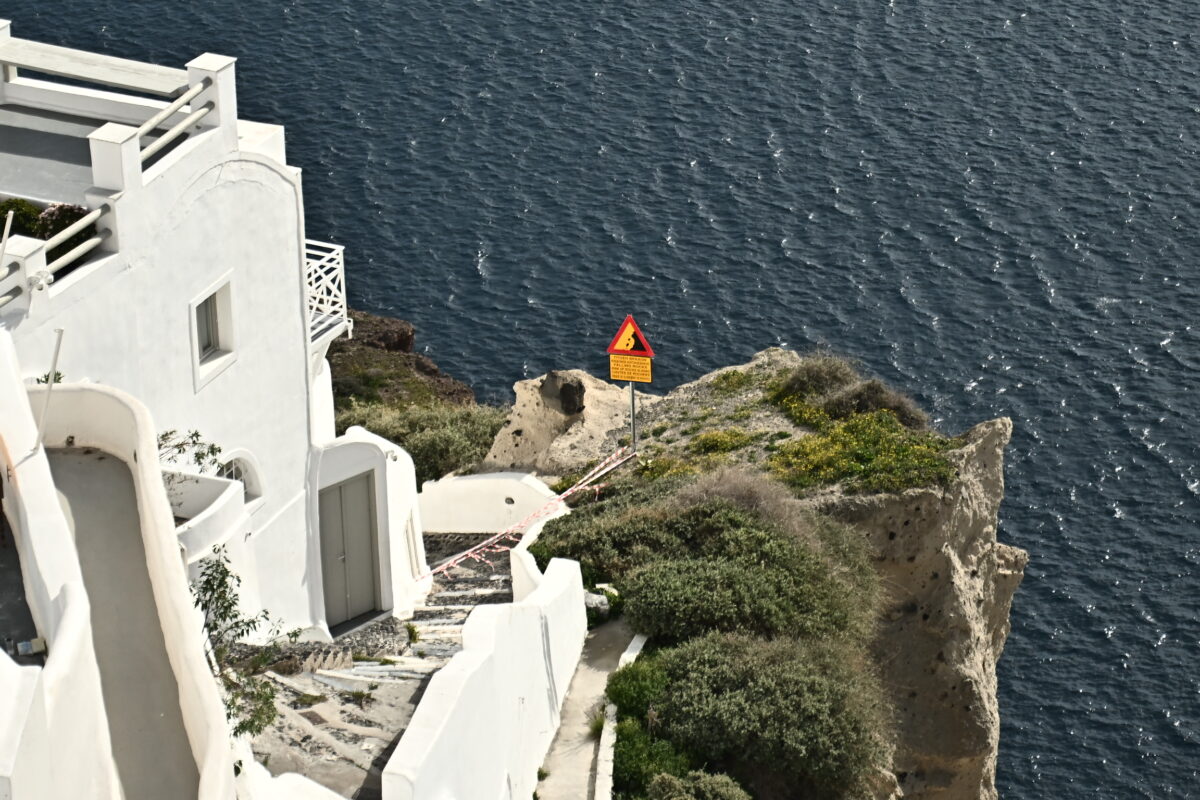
{"type": "Point", "coordinates": [325, 274]}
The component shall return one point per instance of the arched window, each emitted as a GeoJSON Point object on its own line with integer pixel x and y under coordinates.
{"type": "Point", "coordinates": [240, 469]}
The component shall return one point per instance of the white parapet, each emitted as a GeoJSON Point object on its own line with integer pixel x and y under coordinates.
{"type": "Point", "coordinates": [487, 503]}
{"type": "Point", "coordinates": [59, 718]}
{"type": "Point", "coordinates": [488, 717]}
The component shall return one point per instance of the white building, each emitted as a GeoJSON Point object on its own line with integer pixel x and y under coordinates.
{"type": "Point", "coordinates": [199, 304]}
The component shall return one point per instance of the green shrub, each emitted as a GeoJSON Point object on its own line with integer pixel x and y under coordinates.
{"type": "Point", "coordinates": [610, 545]}
{"type": "Point", "coordinates": [696, 786]}
{"type": "Point", "coordinates": [722, 441]}
{"type": "Point", "coordinates": [596, 722]}
{"type": "Point", "coordinates": [25, 217]}
{"type": "Point", "coordinates": [638, 757]}
{"type": "Point", "coordinates": [842, 547]}
{"type": "Point", "coordinates": [440, 437]}
{"type": "Point", "coordinates": [636, 687]}
{"type": "Point", "coordinates": [866, 453]}
{"type": "Point", "coordinates": [805, 414]}
{"type": "Point", "coordinates": [626, 526]}
{"type": "Point", "coordinates": [679, 599]}
{"type": "Point", "coordinates": [663, 467]}
{"type": "Point", "coordinates": [815, 376]}
{"type": "Point", "coordinates": [787, 717]}
{"type": "Point", "coordinates": [732, 381]}
{"type": "Point", "coordinates": [616, 604]}
{"type": "Point", "coordinates": [874, 395]}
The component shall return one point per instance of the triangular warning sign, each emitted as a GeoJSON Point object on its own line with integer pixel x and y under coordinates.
{"type": "Point", "coordinates": [630, 341]}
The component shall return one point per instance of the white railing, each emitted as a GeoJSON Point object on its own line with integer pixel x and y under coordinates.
{"type": "Point", "coordinates": [199, 99]}
{"type": "Point", "coordinates": [26, 269]}
{"type": "Point", "coordinates": [179, 128]}
{"type": "Point", "coordinates": [325, 276]}
{"type": "Point", "coordinates": [83, 248]}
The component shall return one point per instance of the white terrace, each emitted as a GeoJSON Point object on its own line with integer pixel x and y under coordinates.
{"type": "Point", "coordinates": [63, 143]}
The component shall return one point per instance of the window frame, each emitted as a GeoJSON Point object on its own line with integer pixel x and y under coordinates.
{"type": "Point", "coordinates": [211, 358]}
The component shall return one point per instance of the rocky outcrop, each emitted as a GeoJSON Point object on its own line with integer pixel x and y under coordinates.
{"type": "Point", "coordinates": [378, 365]}
{"type": "Point", "coordinates": [949, 582]}
{"type": "Point", "coordinates": [950, 585]}
{"type": "Point", "coordinates": [559, 423]}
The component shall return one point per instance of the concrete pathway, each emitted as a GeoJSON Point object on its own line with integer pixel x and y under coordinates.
{"type": "Point", "coordinates": [570, 764]}
{"type": "Point", "coordinates": [150, 745]}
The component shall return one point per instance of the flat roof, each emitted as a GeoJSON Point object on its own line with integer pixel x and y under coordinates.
{"type": "Point", "coordinates": [65, 62]}
{"type": "Point", "coordinates": [44, 155]}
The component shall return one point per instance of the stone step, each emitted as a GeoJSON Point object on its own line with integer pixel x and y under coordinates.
{"type": "Point", "coordinates": [438, 642]}
{"type": "Point", "coordinates": [457, 593]}
{"type": "Point", "coordinates": [424, 615]}
{"type": "Point", "coordinates": [424, 669]}
{"type": "Point", "coordinates": [438, 622]}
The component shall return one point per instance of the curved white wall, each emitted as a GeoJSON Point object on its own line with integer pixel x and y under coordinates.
{"type": "Point", "coordinates": [55, 715]}
{"type": "Point", "coordinates": [487, 503]}
{"type": "Point", "coordinates": [112, 421]}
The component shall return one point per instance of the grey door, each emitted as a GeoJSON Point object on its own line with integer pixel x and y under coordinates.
{"type": "Point", "coordinates": [348, 547]}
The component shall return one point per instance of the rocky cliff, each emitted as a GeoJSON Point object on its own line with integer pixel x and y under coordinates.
{"type": "Point", "coordinates": [950, 585]}
{"type": "Point", "coordinates": [377, 364]}
{"type": "Point", "coordinates": [949, 582]}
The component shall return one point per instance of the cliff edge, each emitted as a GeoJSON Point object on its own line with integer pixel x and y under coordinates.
{"type": "Point", "coordinates": [948, 582]}
{"type": "Point", "coordinates": [949, 586]}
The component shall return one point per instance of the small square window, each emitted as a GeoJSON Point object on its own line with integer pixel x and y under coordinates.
{"type": "Point", "coordinates": [208, 333]}
{"type": "Point", "coordinates": [212, 329]}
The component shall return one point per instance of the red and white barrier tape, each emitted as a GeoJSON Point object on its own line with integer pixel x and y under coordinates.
{"type": "Point", "coordinates": [493, 544]}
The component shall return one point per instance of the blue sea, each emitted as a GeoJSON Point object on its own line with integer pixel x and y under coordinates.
{"type": "Point", "coordinates": [990, 204]}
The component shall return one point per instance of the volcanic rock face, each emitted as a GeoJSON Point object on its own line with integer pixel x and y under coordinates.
{"type": "Point", "coordinates": [378, 365]}
{"type": "Point", "coordinates": [950, 585]}
{"type": "Point", "coordinates": [560, 421]}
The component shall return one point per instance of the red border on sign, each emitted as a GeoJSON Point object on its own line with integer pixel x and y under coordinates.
{"type": "Point", "coordinates": [612, 346]}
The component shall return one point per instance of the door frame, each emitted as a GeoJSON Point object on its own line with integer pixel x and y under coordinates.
{"type": "Point", "coordinates": [373, 514]}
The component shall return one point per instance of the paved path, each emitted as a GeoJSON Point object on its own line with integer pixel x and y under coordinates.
{"type": "Point", "coordinates": [141, 697]}
{"type": "Point", "coordinates": [571, 762]}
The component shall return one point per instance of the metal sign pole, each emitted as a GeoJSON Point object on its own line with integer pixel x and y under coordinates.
{"type": "Point", "coordinates": [633, 417]}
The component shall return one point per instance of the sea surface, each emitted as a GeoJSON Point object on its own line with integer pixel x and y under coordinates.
{"type": "Point", "coordinates": [990, 204]}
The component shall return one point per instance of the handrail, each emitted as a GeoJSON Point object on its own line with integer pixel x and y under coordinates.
{"type": "Point", "coordinates": [86, 247]}
{"type": "Point", "coordinates": [173, 134]}
{"type": "Point", "coordinates": [179, 102]}
{"type": "Point", "coordinates": [10, 295]}
{"type": "Point", "coordinates": [75, 227]}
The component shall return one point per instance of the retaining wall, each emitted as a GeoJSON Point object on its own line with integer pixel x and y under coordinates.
{"type": "Point", "coordinates": [488, 717]}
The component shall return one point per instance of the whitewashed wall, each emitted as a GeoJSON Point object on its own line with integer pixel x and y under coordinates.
{"type": "Point", "coordinates": [112, 421]}
{"type": "Point", "coordinates": [206, 213]}
{"type": "Point", "coordinates": [484, 503]}
{"type": "Point", "coordinates": [488, 717]}
{"type": "Point", "coordinates": [54, 715]}
{"type": "Point", "coordinates": [401, 556]}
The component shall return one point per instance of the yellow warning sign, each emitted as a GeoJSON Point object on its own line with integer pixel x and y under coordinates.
{"type": "Point", "coordinates": [626, 339]}
{"type": "Point", "coordinates": [630, 340]}
{"type": "Point", "coordinates": [629, 368]}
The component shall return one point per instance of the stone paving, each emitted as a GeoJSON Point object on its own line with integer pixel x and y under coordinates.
{"type": "Point", "coordinates": [346, 704]}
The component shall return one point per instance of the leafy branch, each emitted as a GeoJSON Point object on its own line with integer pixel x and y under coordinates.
{"type": "Point", "coordinates": [249, 699]}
